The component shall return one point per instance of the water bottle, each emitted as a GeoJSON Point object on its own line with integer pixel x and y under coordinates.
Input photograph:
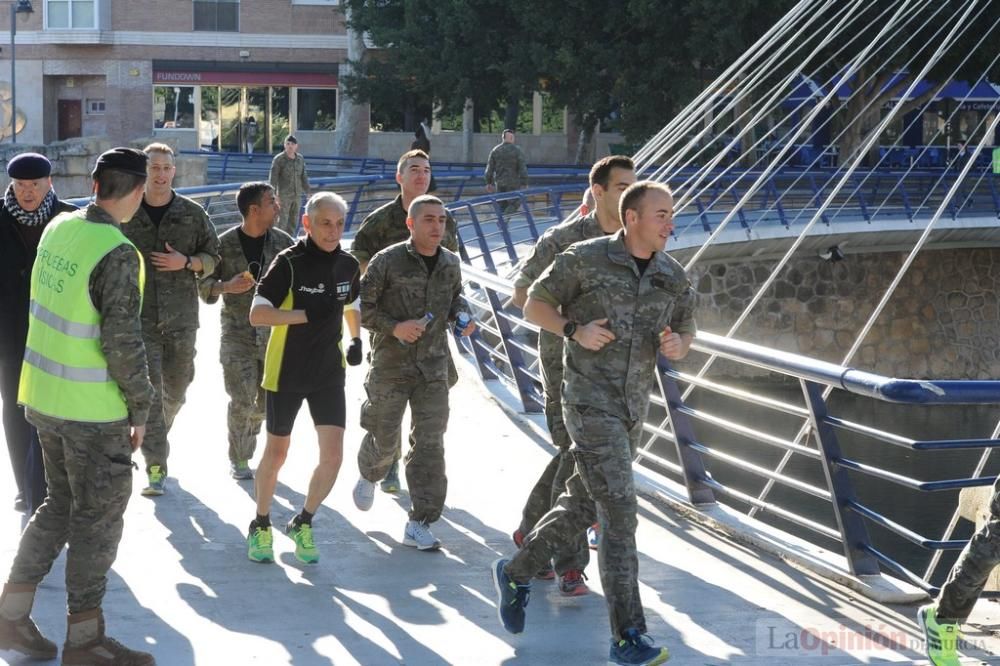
{"type": "Point", "coordinates": [425, 320]}
{"type": "Point", "coordinates": [462, 320]}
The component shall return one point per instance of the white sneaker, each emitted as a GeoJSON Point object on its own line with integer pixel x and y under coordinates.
{"type": "Point", "coordinates": [419, 536]}
{"type": "Point", "coordinates": [364, 494]}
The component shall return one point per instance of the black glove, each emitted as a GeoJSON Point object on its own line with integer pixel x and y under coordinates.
{"type": "Point", "coordinates": [354, 352]}
{"type": "Point", "coordinates": [317, 314]}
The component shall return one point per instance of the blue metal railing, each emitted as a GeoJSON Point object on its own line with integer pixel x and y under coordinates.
{"type": "Point", "coordinates": [791, 197]}
{"type": "Point", "coordinates": [505, 350]}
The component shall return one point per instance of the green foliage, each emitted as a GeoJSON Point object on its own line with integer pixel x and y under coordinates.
{"type": "Point", "coordinates": [638, 61]}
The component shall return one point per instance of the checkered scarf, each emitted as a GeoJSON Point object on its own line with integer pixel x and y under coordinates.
{"type": "Point", "coordinates": [34, 218]}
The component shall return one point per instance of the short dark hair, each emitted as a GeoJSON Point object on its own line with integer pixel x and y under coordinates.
{"type": "Point", "coordinates": [250, 194]}
{"type": "Point", "coordinates": [410, 154]}
{"type": "Point", "coordinates": [636, 192]}
{"type": "Point", "coordinates": [113, 184]}
{"type": "Point", "coordinates": [421, 201]}
{"type": "Point", "coordinates": [600, 173]}
{"type": "Point", "coordinates": [506, 132]}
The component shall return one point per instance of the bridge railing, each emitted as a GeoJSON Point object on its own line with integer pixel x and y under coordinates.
{"type": "Point", "coordinates": [799, 471]}
{"type": "Point", "coordinates": [791, 197]}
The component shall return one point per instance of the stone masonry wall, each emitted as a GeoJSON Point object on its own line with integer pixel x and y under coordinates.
{"type": "Point", "coordinates": [942, 322]}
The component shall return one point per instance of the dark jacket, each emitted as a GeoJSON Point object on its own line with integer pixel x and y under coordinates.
{"type": "Point", "coordinates": [16, 259]}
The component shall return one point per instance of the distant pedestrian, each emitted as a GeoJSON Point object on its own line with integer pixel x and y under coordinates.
{"type": "Point", "coordinates": [618, 301]}
{"type": "Point", "coordinates": [506, 169]}
{"type": "Point", "coordinates": [410, 296]}
{"type": "Point", "coordinates": [302, 298]}
{"type": "Point", "coordinates": [179, 244]}
{"type": "Point", "coordinates": [289, 179]}
{"type": "Point", "coordinates": [246, 252]}
{"type": "Point", "coordinates": [85, 387]}
{"type": "Point", "coordinates": [29, 205]}
{"type": "Point", "coordinates": [250, 135]}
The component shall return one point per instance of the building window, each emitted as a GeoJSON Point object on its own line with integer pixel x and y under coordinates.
{"type": "Point", "coordinates": [95, 107]}
{"type": "Point", "coordinates": [69, 14]}
{"type": "Point", "coordinates": [217, 15]}
{"type": "Point", "coordinates": [317, 109]}
{"type": "Point", "coordinates": [173, 107]}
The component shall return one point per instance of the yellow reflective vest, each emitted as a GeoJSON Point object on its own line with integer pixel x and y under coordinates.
{"type": "Point", "coordinates": [65, 374]}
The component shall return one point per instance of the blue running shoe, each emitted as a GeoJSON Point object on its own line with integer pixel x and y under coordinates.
{"type": "Point", "coordinates": [594, 536]}
{"type": "Point", "coordinates": [512, 598]}
{"type": "Point", "coordinates": [635, 649]}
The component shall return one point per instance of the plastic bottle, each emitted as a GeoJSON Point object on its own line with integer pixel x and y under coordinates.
{"type": "Point", "coordinates": [425, 320]}
{"type": "Point", "coordinates": [462, 320]}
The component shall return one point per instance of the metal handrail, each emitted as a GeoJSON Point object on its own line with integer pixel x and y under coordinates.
{"type": "Point", "coordinates": [490, 293]}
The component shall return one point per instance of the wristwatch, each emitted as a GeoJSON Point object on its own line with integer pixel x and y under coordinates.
{"type": "Point", "coordinates": [569, 328]}
{"type": "Point", "coordinates": [187, 263]}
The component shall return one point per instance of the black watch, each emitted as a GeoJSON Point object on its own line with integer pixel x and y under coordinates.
{"type": "Point", "coordinates": [569, 328]}
{"type": "Point", "coordinates": [187, 263]}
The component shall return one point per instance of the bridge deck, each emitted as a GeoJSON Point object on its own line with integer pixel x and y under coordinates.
{"type": "Point", "coordinates": [182, 585]}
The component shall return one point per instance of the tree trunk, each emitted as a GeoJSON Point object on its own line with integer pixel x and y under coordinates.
{"type": "Point", "coordinates": [468, 121]}
{"type": "Point", "coordinates": [353, 118]}
{"type": "Point", "coordinates": [511, 114]}
{"type": "Point", "coordinates": [585, 140]}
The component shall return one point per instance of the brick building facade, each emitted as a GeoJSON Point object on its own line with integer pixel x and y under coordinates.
{"type": "Point", "coordinates": [192, 70]}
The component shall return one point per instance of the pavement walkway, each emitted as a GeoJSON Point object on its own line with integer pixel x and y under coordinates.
{"type": "Point", "coordinates": [183, 588]}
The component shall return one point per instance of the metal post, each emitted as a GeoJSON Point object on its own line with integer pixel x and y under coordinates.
{"type": "Point", "coordinates": [852, 526]}
{"type": "Point", "coordinates": [699, 492]}
{"type": "Point", "coordinates": [13, 60]}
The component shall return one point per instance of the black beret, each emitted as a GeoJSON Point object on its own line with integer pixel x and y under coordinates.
{"type": "Point", "coordinates": [128, 160]}
{"type": "Point", "coordinates": [29, 166]}
{"type": "Point", "coordinates": [291, 139]}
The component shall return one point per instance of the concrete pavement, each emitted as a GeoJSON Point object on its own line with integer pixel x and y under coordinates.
{"type": "Point", "coordinates": [183, 588]}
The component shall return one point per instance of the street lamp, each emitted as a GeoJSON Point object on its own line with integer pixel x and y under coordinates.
{"type": "Point", "coordinates": [19, 7]}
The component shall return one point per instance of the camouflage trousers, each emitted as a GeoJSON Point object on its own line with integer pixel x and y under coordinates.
{"type": "Point", "coordinates": [288, 221]}
{"type": "Point", "coordinates": [89, 471]}
{"type": "Point", "coordinates": [603, 446]}
{"type": "Point", "coordinates": [551, 484]}
{"type": "Point", "coordinates": [382, 417]}
{"type": "Point", "coordinates": [171, 369]}
{"type": "Point", "coordinates": [242, 371]}
{"type": "Point", "coordinates": [513, 204]}
{"type": "Point", "coordinates": [968, 577]}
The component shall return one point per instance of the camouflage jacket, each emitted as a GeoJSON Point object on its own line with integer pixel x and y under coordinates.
{"type": "Point", "coordinates": [288, 176]}
{"type": "Point", "coordinates": [236, 328]}
{"type": "Point", "coordinates": [556, 239]}
{"type": "Point", "coordinates": [171, 299]}
{"type": "Point", "coordinates": [386, 226]}
{"type": "Point", "coordinates": [114, 291]}
{"type": "Point", "coordinates": [598, 278]}
{"type": "Point", "coordinates": [506, 167]}
{"type": "Point", "coordinates": [397, 287]}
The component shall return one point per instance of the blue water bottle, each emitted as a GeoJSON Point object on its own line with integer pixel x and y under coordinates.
{"type": "Point", "coordinates": [462, 320]}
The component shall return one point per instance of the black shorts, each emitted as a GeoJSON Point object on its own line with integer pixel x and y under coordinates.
{"type": "Point", "coordinates": [327, 407]}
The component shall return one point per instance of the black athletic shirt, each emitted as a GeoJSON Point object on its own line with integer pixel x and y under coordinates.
{"type": "Point", "coordinates": [308, 357]}
{"type": "Point", "coordinates": [253, 252]}
{"type": "Point", "coordinates": [156, 213]}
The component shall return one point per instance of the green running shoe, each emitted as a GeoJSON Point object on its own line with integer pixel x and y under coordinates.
{"type": "Point", "coordinates": [940, 638]}
{"type": "Point", "coordinates": [157, 478]}
{"type": "Point", "coordinates": [260, 544]}
{"type": "Point", "coordinates": [305, 547]}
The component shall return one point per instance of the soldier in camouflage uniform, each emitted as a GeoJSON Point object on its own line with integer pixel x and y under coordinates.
{"type": "Point", "coordinates": [506, 169]}
{"type": "Point", "coordinates": [608, 179]}
{"type": "Point", "coordinates": [288, 178]}
{"type": "Point", "coordinates": [409, 365]}
{"type": "Point", "coordinates": [941, 620]}
{"type": "Point", "coordinates": [623, 300]}
{"type": "Point", "coordinates": [178, 243]}
{"type": "Point", "coordinates": [245, 252]}
{"type": "Point", "coordinates": [386, 226]}
{"type": "Point", "coordinates": [88, 458]}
